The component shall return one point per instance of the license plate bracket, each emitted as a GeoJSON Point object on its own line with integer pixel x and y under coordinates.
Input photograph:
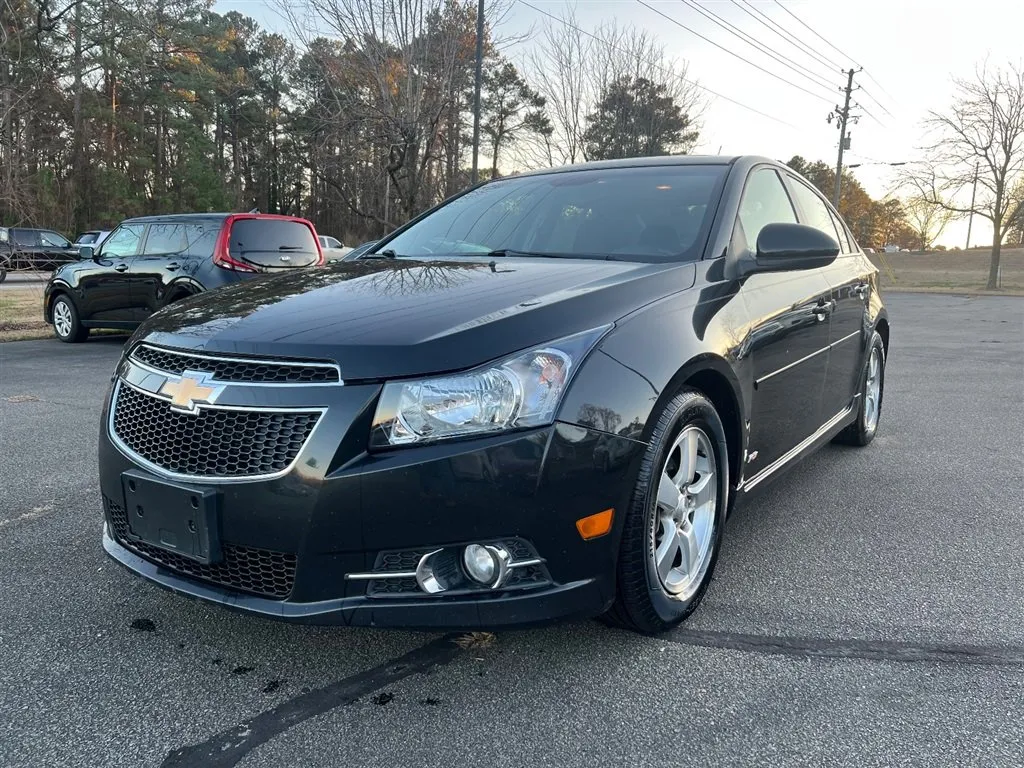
{"type": "Point", "coordinates": [178, 518]}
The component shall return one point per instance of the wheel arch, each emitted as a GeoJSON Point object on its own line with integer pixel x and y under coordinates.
{"type": "Point", "coordinates": [58, 289]}
{"type": "Point", "coordinates": [882, 326]}
{"type": "Point", "coordinates": [180, 289]}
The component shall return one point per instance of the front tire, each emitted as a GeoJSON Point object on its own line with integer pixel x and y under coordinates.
{"type": "Point", "coordinates": [66, 324]}
{"type": "Point", "coordinates": [673, 527]}
{"type": "Point", "coordinates": [869, 404]}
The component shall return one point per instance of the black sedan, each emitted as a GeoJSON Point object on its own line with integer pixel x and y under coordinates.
{"type": "Point", "coordinates": [540, 399]}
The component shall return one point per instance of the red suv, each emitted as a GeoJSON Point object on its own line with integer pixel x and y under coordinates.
{"type": "Point", "coordinates": [149, 262]}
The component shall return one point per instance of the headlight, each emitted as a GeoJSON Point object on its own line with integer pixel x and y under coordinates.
{"type": "Point", "coordinates": [520, 391]}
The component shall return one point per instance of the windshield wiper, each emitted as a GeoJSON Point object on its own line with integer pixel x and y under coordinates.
{"type": "Point", "coordinates": [388, 253]}
{"type": "Point", "coordinates": [513, 252]}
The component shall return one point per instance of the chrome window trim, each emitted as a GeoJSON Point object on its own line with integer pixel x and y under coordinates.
{"type": "Point", "coordinates": [206, 479]}
{"type": "Point", "coordinates": [198, 354]}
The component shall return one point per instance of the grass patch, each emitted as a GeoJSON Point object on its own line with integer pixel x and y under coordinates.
{"type": "Point", "coordinates": [21, 313]}
{"type": "Point", "coordinates": [949, 271]}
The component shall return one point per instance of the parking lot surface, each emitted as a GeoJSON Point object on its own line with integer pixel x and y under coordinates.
{"type": "Point", "coordinates": [866, 611]}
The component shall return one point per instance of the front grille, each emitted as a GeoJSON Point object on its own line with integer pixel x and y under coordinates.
{"type": "Point", "coordinates": [247, 569]}
{"type": "Point", "coordinates": [242, 371]}
{"type": "Point", "coordinates": [212, 443]}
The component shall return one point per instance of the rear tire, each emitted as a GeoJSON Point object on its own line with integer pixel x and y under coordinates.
{"type": "Point", "coordinates": [869, 404]}
{"type": "Point", "coordinates": [66, 324]}
{"type": "Point", "coordinates": [670, 544]}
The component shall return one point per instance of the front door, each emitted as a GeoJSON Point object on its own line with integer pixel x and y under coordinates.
{"type": "Point", "coordinates": [848, 278]}
{"type": "Point", "coordinates": [789, 333]}
{"type": "Point", "coordinates": [105, 292]}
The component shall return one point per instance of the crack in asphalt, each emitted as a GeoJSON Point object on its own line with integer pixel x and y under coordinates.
{"type": "Point", "coordinates": [227, 748]}
{"type": "Point", "coordinates": [871, 650]}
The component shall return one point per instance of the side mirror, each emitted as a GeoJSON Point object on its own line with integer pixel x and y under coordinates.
{"type": "Point", "coordinates": [782, 247]}
{"type": "Point", "coordinates": [86, 252]}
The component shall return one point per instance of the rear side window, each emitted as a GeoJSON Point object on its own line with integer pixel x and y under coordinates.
{"type": "Point", "coordinates": [249, 236]}
{"type": "Point", "coordinates": [25, 236]}
{"type": "Point", "coordinates": [844, 240]}
{"type": "Point", "coordinates": [165, 238]}
{"type": "Point", "coordinates": [815, 213]}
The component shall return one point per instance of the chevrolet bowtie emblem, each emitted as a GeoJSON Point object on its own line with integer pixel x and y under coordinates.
{"type": "Point", "coordinates": [192, 388]}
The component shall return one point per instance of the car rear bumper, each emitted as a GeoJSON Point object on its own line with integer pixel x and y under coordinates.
{"type": "Point", "coordinates": [292, 543]}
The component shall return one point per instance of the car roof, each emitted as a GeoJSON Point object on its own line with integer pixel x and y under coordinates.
{"type": "Point", "coordinates": [645, 162]}
{"type": "Point", "coordinates": [165, 217]}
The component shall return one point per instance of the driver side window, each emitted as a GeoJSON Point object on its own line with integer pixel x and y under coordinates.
{"type": "Point", "coordinates": [124, 241]}
{"type": "Point", "coordinates": [53, 240]}
{"type": "Point", "coordinates": [764, 201]}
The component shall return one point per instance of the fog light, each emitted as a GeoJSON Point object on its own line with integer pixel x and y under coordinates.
{"type": "Point", "coordinates": [481, 564]}
{"type": "Point", "coordinates": [486, 564]}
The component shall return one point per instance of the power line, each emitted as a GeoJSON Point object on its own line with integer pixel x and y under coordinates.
{"type": "Point", "coordinates": [867, 112]}
{"type": "Point", "coordinates": [732, 53]}
{"type": "Point", "coordinates": [841, 53]}
{"type": "Point", "coordinates": [816, 34]}
{"type": "Point", "coordinates": [870, 96]}
{"type": "Point", "coordinates": [663, 68]}
{"type": "Point", "coordinates": [749, 40]}
{"type": "Point", "coordinates": [785, 34]}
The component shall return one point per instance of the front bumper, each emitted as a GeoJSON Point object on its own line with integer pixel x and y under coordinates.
{"type": "Point", "coordinates": [336, 514]}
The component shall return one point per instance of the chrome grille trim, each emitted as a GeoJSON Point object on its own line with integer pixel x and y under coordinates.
{"type": "Point", "coordinates": [199, 355]}
{"type": "Point", "coordinates": [206, 479]}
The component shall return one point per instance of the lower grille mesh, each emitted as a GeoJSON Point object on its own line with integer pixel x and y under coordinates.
{"type": "Point", "coordinates": [257, 571]}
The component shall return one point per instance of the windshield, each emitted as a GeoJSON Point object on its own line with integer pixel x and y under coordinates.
{"type": "Point", "coordinates": [657, 213]}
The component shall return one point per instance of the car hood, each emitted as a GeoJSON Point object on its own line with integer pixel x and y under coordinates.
{"type": "Point", "coordinates": [380, 318]}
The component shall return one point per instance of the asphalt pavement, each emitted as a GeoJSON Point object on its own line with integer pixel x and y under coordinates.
{"type": "Point", "coordinates": [867, 610]}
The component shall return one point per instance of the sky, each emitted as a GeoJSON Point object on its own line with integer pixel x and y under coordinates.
{"type": "Point", "coordinates": [909, 51]}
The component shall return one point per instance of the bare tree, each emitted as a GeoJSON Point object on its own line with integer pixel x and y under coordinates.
{"type": "Point", "coordinates": [926, 219]}
{"type": "Point", "coordinates": [573, 68]}
{"type": "Point", "coordinates": [983, 134]}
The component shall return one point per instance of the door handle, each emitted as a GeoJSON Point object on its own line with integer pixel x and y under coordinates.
{"type": "Point", "coordinates": [823, 309]}
{"type": "Point", "coordinates": [173, 266]}
{"type": "Point", "coordinates": [121, 267]}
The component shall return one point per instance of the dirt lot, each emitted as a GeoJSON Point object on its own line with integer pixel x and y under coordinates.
{"type": "Point", "coordinates": [950, 270]}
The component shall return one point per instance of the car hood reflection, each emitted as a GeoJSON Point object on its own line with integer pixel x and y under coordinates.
{"type": "Point", "coordinates": [381, 318]}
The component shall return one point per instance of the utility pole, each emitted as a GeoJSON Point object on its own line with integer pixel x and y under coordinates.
{"type": "Point", "coordinates": [970, 219]}
{"type": "Point", "coordinates": [842, 117]}
{"type": "Point", "coordinates": [476, 88]}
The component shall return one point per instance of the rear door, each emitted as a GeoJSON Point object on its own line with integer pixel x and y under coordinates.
{"type": "Point", "coordinates": [789, 333]}
{"type": "Point", "coordinates": [105, 292]}
{"type": "Point", "coordinates": [849, 290]}
{"type": "Point", "coordinates": [273, 244]}
{"type": "Point", "coordinates": [157, 266]}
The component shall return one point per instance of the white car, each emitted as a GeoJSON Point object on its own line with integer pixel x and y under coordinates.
{"type": "Point", "coordinates": [332, 247]}
{"type": "Point", "coordinates": [93, 237]}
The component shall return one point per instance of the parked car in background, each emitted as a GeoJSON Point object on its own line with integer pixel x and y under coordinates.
{"type": "Point", "coordinates": [35, 249]}
{"type": "Point", "coordinates": [332, 247]}
{"type": "Point", "coordinates": [150, 262]}
{"type": "Point", "coordinates": [358, 251]}
{"type": "Point", "coordinates": [93, 237]}
{"type": "Point", "coordinates": [538, 400]}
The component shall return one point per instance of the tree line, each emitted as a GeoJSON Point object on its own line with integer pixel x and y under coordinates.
{"type": "Point", "coordinates": [116, 108]}
{"type": "Point", "coordinates": [361, 117]}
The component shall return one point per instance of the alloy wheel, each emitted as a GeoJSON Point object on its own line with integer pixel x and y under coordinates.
{"type": "Point", "coordinates": [684, 516]}
{"type": "Point", "coordinates": [873, 390]}
{"type": "Point", "coordinates": [62, 319]}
